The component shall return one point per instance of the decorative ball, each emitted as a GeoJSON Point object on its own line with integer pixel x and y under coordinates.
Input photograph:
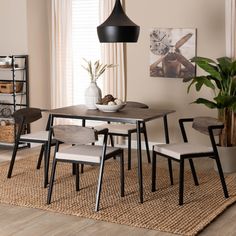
{"type": "Point", "coordinates": [118, 101]}
{"type": "Point", "coordinates": [111, 103]}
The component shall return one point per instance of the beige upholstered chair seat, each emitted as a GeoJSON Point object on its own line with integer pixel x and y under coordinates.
{"type": "Point", "coordinates": [175, 150]}
{"type": "Point", "coordinates": [117, 128]}
{"type": "Point", "coordinates": [41, 135]}
{"type": "Point", "coordinates": [86, 153]}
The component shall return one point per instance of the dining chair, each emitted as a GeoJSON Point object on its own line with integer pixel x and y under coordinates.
{"type": "Point", "coordinates": [24, 117]}
{"type": "Point", "coordinates": [187, 151]}
{"type": "Point", "coordinates": [81, 152]}
{"type": "Point", "coordinates": [126, 130]}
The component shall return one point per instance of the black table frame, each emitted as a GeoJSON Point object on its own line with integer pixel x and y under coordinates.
{"type": "Point", "coordinates": [55, 114]}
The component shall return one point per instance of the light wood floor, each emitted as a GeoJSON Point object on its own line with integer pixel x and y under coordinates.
{"type": "Point", "coordinates": [21, 221]}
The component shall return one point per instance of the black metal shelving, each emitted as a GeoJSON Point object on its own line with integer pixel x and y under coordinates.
{"type": "Point", "coordinates": [17, 72]}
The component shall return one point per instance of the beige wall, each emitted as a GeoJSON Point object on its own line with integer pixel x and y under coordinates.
{"type": "Point", "coordinates": [13, 29]}
{"type": "Point", "coordinates": [24, 30]}
{"type": "Point", "coordinates": [205, 15]}
{"type": "Point", "coordinates": [38, 46]}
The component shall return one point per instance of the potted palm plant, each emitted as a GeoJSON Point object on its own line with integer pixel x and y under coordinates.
{"type": "Point", "coordinates": [221, 78]}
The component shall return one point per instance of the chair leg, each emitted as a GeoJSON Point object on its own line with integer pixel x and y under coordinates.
{"type": "Point", "coordinates": [112, 143]}
{"type": "Point", "coordinates": [99, 187]}
{"type": "Point", "coordinates": [111, 140]}
{"type": "Point", "coordinates": [77, 177]}
{"type": "Point", "coordinates": [13, 159]}
{"type": "Point", "coordinates": [82, 168]}
{"type": "Point", "coordinates": [154, 155]}
{"type": "Point", "coordinates": [170, 171]}
{"type": "Point", "coordinates": [181, 182]}
{"type": "Point", "coordinates": [40, 157]}
{"type": "Point", "coordinates": [122, 178]}
{"type": "Point", "coordinates": [54, 164]}
{"type": "Point", "coordinates": [129, 152]}
{"type": "Point", "coordinates": [146, 142]}
{"type": "Point", "coordinates": [222, 179]}
{"type": "Point", "coordinates": [193, 172]}
{"type": "Point", "coordinates": [46, 164]}
{"type": "Point", "coordinates": [73, 169]}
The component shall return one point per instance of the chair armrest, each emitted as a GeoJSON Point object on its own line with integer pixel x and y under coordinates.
{"type": "Point", "coordinates": [215, 129]}
{"type": "Point", "coordinates": [183, 120]}
{"type": "Point", "coordinates": [102, 131]}
{"type": "Point", "coordinates": [182, 128]}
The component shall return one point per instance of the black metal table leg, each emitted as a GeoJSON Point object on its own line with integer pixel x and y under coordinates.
{"type": "Point", "coordinates": [168, 141]}
{"type": "Point", "coordinates": [146, 142]}
{"type": "Point", "coordinates": [139, 154]}
{"type": "Point", "coordinates": [166, 129]}
{"type": "Point", "coordinates": [47, 151]}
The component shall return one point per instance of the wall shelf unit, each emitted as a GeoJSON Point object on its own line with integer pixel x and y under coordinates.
{"type": "Point", "coordinates": [14, 94]}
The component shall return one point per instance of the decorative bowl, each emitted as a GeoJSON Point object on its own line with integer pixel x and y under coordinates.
{"type": "Point", "coordinates": [110, 108]}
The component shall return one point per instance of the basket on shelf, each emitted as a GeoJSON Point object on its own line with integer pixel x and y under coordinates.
{"type": "Point", "coordinates": [7, 133]}
{"type": "Point", "coordinates": [6, 87]}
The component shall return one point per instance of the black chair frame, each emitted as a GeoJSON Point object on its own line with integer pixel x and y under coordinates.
{"type": "Point", "coordinates": [214, 155]}
{"type": "Point", "coordinates": [23, 118]}
{"type": "Point", "coordinates": [76, 164]}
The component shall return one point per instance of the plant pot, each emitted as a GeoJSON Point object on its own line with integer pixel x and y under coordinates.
{"type": "Point", "coordinates": [227, 158]}
{"type": "Point", "coordinates": [93, 94]}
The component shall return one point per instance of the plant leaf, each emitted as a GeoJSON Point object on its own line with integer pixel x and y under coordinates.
{"type": "Point", "coordinates": [208, 65]}
{"type": "Point", "coordinates": [206, 102]}
{"type": "Point", "coordinates": [200, 81]}
{"type": "Point", "coordinates": [202, 59]}
{"type": "Point", "coordinates": [225, 64]}
{"type": "Point", "coordinates": [225, 101]}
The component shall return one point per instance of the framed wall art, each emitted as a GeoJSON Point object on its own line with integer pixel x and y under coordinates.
{"type": "Point", "coordinates": [170, 52]}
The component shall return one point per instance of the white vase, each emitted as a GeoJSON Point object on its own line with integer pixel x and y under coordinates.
{"type": "Point", "coordinates": [93, 94]}
{"type": "Point", "coordinates": [227, 159]}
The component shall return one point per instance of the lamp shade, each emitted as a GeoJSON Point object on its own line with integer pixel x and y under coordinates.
{"type": "Point", "coordinates": [118, 27]}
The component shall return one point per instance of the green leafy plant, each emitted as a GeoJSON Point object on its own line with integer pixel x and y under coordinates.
{"type": "Point", "coordinates": [96, 69]}
{"type": "Point", "coordinates": [221, 78]}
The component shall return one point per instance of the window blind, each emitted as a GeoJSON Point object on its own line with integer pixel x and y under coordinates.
{"type": "Point", "coordinates": [85, 43]}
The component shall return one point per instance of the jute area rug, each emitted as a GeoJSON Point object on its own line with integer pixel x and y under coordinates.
{"type": "Point", "coordinates": [160, 211]}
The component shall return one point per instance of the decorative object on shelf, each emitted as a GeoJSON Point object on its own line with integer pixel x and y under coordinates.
{"type": "Point", "coordinates": [5, 62]}
{"type": "Point", "coordinates": [170, 52]}
{"type": "Point", "coordinates": [93, 93]}
{"type": "Point", "coordinates": [7, 131]}
{"type": "Point", "coordinates": [8, 87]}
{"type": "Point", "coordinates": [5, 109]}
{"type": "Point", "coordinates": [118, 27]}
{"type": "Point", "coordinates": [221, 79]}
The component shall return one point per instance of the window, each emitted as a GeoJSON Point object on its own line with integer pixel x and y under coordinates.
{"type": "Point", "coordinates": [85, 43]}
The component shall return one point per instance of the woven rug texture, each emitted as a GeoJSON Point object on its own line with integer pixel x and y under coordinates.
{"type": "Point", "coordinates": [160, 210]}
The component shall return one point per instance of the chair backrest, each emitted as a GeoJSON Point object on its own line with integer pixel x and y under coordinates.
{"type": "Point", "coordinates": [202, 125]}
{"type": "Point", "coordinates": [132, 104]}
{"type": "Point", "coordinates": [27, 115]}
{"type": "Point", "coordinates": [74, 134]}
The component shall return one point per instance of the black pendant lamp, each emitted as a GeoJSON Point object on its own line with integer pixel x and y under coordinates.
{"type": "Point", "coordinates": [118, 27]}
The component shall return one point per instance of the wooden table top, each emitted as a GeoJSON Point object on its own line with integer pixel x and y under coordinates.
{"type": "Point", "coordinates": [127, 115]}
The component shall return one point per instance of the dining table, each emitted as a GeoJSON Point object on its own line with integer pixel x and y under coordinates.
{"type": "Point", "coordinates": [129, 115]}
